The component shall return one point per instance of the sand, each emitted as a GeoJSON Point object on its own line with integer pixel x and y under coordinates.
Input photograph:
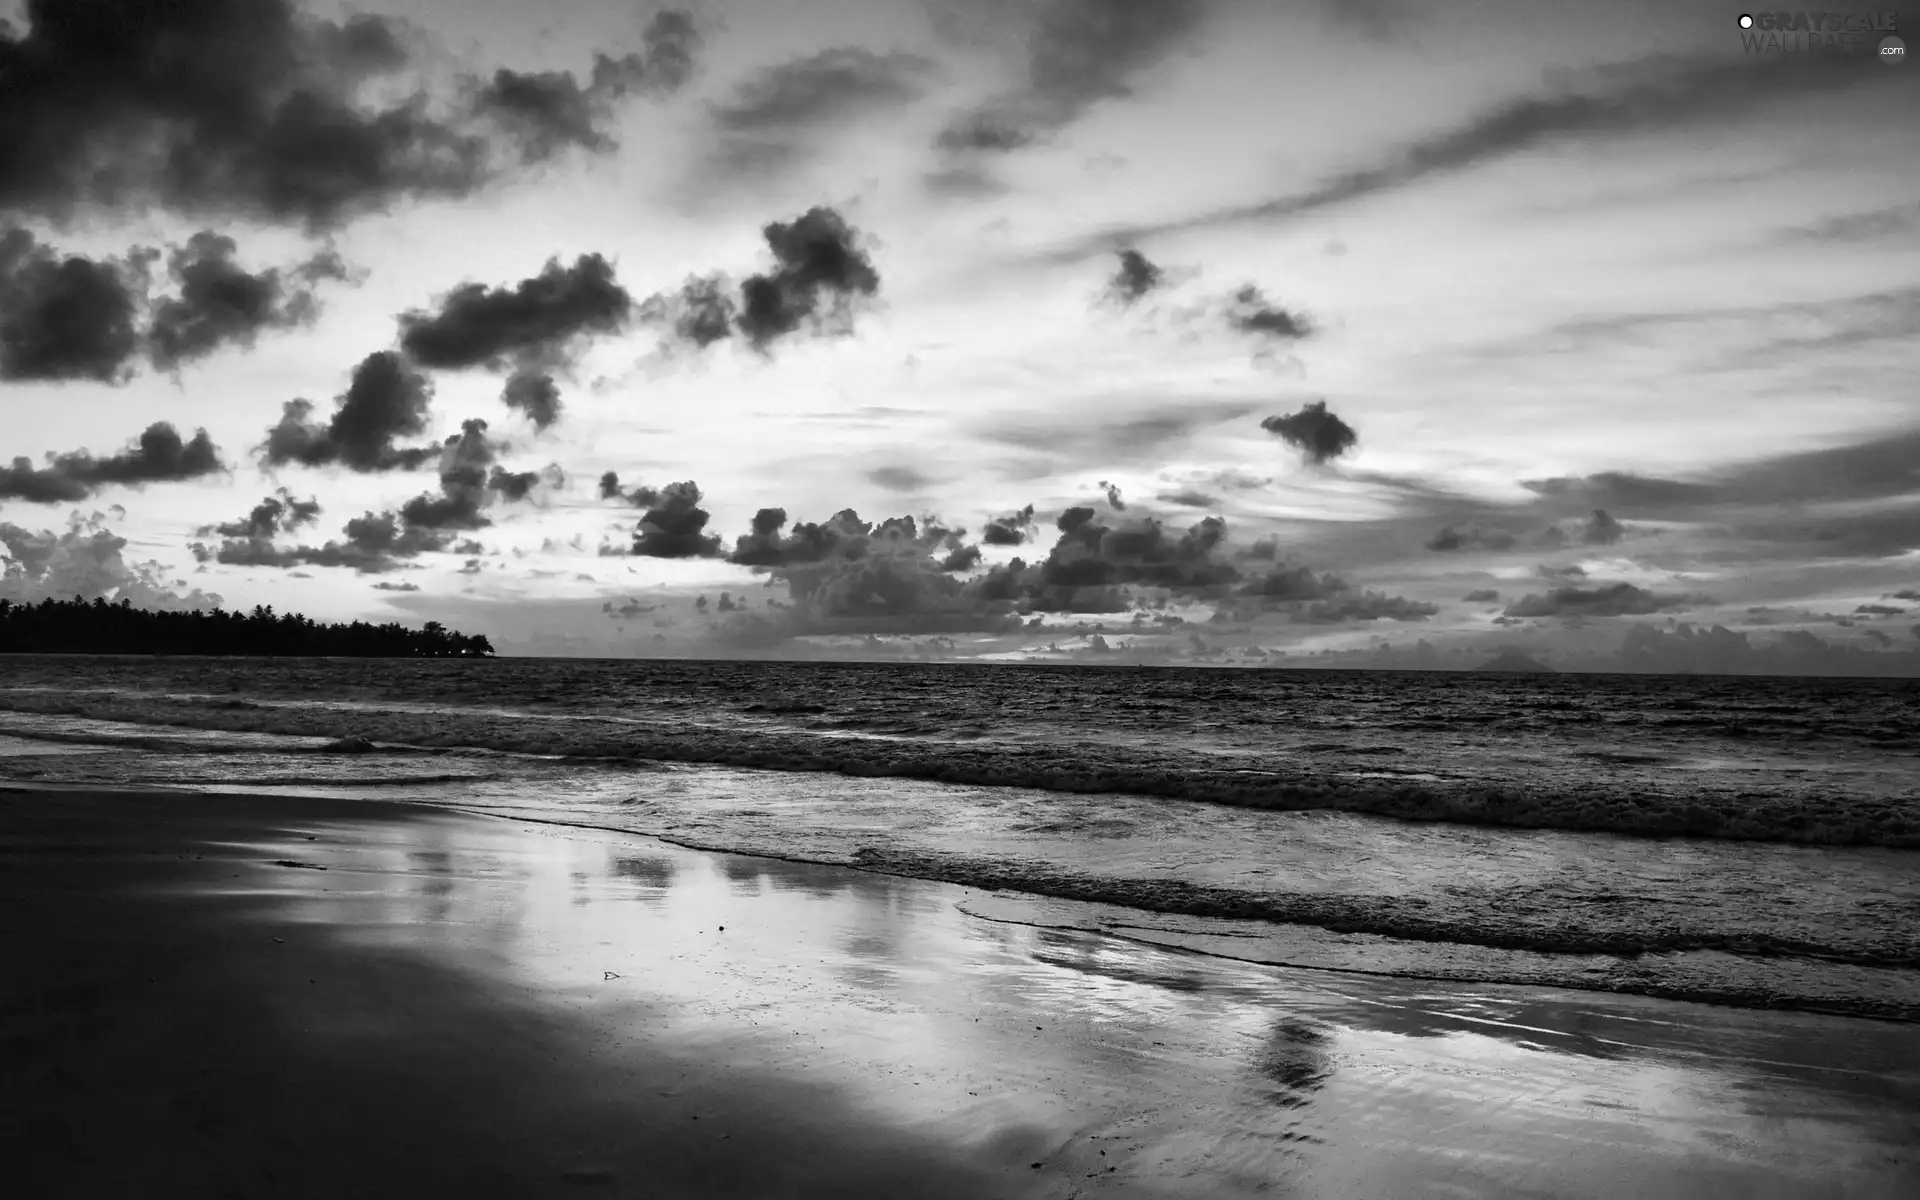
{"type": "Point", "coordinates": [268, 996]}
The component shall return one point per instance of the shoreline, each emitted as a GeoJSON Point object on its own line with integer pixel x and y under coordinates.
{"type": "Point", "coordinates": [410, 997]}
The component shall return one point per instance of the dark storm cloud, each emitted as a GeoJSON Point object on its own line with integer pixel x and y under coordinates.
{"type": "Point", "coordinates": [548, 111]}
{"type": "Point", "coordinates": [1251, 312]}
{"type": "Point", "coordinates": [476, 325]}
{"type": "Point", "coordinates": [158, 456]}
{"type": "Point", "coordinates": [1601, 529]}
{"type": "Point", "coordinates": [535, 393]}
{"type": "Point", "coordinates": [820, 274]}
{"type": "Point", "coordinates": [1317, 433]}
{"type": "Point", "coordinates": [1010, 530]}
{"type": "Point", "coordinates": [1656, 94]}
{"type": "Point", "coordinates": [1080, 53]}
{"type": "Point", "coordinates": [66, 317]}
{"type": "Point", "coordinates": [250, 108]}
{"type": "Point", "coordinates": [1471, 537]}
{"type": "Point", "coordinates": [220, 303]}
{"type": "Point", "coordinates": [826, 88]}
{"type": "Point", "coordinates": [1134, 277]}
{"type": "Point", "coordinates": [386, 399]}
{"type": "Point", "coordinates": [1189, 498]}
{"type": "Point", "coordinates": [1364, 606]}
{"type": "Point", "coordinates": [1607, 600]}
{"type": "Point", "coordinates": [675, 527]}
{"type": "Point", "coordinates": [276, 514]}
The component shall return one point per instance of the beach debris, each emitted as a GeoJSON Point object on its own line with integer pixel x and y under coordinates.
{"type": "Point", "coordinates": [609, 975]}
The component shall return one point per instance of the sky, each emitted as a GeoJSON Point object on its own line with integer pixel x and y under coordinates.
{"type": "Point", "coordinates": [1168, 331]}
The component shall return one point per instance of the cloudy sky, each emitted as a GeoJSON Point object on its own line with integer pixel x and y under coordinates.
{"type": "Point", "coordinates": [1181, 330]}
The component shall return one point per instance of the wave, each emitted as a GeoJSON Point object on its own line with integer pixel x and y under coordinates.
{"type": "Point", "coordinates": [1546, 795]}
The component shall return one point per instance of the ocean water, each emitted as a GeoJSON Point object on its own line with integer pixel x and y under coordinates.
{"type": "Point", "coordinates": [1751, 841]}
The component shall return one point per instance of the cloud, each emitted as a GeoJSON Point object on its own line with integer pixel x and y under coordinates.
{"type": "Point", "coordinates": [770, 121]}
{"type": "Point", "coordinates": [820, 274]}
{"type": "Point", "coordinates": [158, 456]}
{"type": "Point", "coordinates": [1471, 537]}
{"type": "Point", "coordinates": [1251, 312]}
{"type": "Point", "coordinates": [675, 526]}
{"type": "Point", "coordinates": [1481, 596]}
{"type": "Point", "coordinates": [1114, 500]}
{"type": "Point", "coordinates": [253, 109]}
{"type": "Point", "coordinates": [898, 479]}
{"type": "Point", "coordinates": [1365, 606]}
{"type": "Point", "coordinates": [535, 393]}
{"type": "Point", "coordinates": [66, 317]}
{"type": "Point", "coordinates": [386, 399]}
{"type": "Point", "coordinates": [401, 586]}
{"type": "Point", "coordinates": [1080, 53]}
{"type": "Point", "coordinates": [1601, 529]}
{"type": "Point", "coordinates": [535, 320]}
{"type": "Point", "coordinates": [1133, 278]}
{"type": "Point", "coordinates": [546, 112]}
{"type": "Point", "coordinates": [276, 514]}
{"type": "Point", "coordinates": [1189, 498]}
{"type": "Point", "coordinates": [1721, 651]}
{"type": "Point", "coordinates": [1321, 435]}
{"type": "Point", "coordinates": [220, 303]}
{"type": "Point", "coordinates": [1656, 94]}
{"type": "Point", "coordinates": [1010, 530]}
{"type": "Point", "coordinates": [86, 561]}
{"type": "Point", "coordinates": [1607, 600]}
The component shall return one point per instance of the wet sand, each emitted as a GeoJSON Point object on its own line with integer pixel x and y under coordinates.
{"type": "Point", "coordinates": [242, 996]}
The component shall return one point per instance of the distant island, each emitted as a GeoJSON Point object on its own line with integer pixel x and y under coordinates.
{"type": "Point", "coordinates": [96, 627]}
{"type": "Point", "coordinates": [1514, 660]}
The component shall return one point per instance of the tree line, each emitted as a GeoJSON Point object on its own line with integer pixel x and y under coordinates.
{"type": "Point", "coordinates": [78, 626]}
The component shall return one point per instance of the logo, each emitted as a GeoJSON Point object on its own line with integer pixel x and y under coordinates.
{"type": "Point", "coordinates": [1808, 32]}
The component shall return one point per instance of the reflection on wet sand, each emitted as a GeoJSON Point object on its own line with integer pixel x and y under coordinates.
{"type": "Point", "coordinates": [1126, 1068]}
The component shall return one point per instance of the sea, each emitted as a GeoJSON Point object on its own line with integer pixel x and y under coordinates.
{"type": "Point", "coordinates": [1749, 841]}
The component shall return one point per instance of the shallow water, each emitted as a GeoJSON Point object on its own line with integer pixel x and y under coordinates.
{"type": "Point", "coordinates": [1117, 1067]}
{"type": "Point", "coordinates": [1752, 921]}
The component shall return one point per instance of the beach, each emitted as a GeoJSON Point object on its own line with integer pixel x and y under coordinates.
{"type": "Point", "coordinates": [219, 995]}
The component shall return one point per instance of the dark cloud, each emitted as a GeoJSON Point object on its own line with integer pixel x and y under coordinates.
{"type": "Point", "coordinates": [1721, 651]}
{"type": "Point", "coordinates": [1114, 500]}
{"type": "Point", "coordinates": [274, 515]}
{"type": "Point", "coordinates": [1606, 600]}
{"type": "Point", "coordinates": [1189, 498]}
{"type": "Point", "coordinates": [86, 560]}
{"type": "Point", "coordinates": [1321, 435]}
{"type": "Point", "coordinates": [1658, 93]}
{"type": "Point", "coordinates": [1877, 610]}
{"type": "Point", "coordinates": [65, 317]}
{"type": "Point", "coordinates": [402, 586]}
{"type": "Point", "coordinates": [1471, 537]}
{"type": "Point", "coordinates": [1080, 53]}
{"type": "Point", "coordinates": [675, 526]}
{"type": "Point", "coordinates": [821, 271]}
{"type": "Point", "coordinates": [1251, 312]}
{"type": "Point", "coordinates": [1010, 530]}
{"type": "Point", "coordinates": [386, 399]}
{"type": "Point", "coordinates": [250, 108]}
{"type": "Point", "coordinates": [1610, 489]}
{"type": "Point", "coordinates": [546, 112]}
{"type": "Point", "coordinates": [961, 560]}
{"type": "Point", "coordinates": [820, 274]}
{"type": "Point", "coordinates": [1292, 584]}
{"type": "Point", "coordinates": [1481, 596]}
{"type": "Point", "coordinates": [1365, 606]}
{"type": "Point", "coordinates": [158, 456]}
{"type": "Point", "coordinates": [641, 496]}
{"type": "Point", "coordinates": [898, 479]}
{"type": "Point", "coordinates": [826, 88]}
{"type": "Point", "coordinates": [535, 393]}
{"type": "Point", "coordinates": [1601, 529]}
{"type": "Point", "coordinates": [1134, 277]}
{"type": "Point", "coordinates": [536, 319]}
{"type": "Point", "coordinates": [220, 303]}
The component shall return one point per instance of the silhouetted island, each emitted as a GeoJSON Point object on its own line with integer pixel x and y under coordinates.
{"type": "Point", "coordinates": [81, 627]}
{"type": "Point", "coordinates": [1514, 660]}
